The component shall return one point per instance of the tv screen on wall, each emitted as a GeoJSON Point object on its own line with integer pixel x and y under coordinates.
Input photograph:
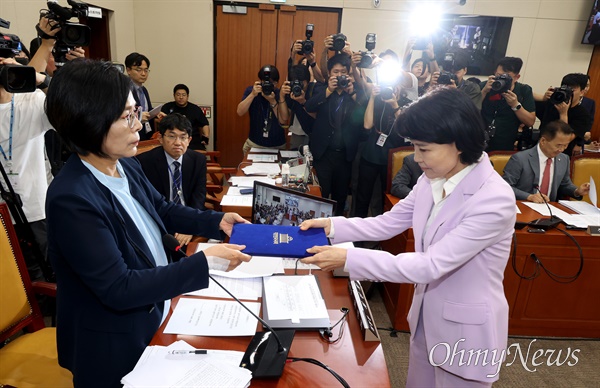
{"type": "Point", "coordinates": [483, 39]}
{"type": "Point", "coordinates": [592, 29]}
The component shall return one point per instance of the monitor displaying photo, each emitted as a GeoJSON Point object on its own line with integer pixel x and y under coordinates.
{"type": "Point", "coordinates": [274, 205]}
{"type": "Point", "coordinates": [592, 28]}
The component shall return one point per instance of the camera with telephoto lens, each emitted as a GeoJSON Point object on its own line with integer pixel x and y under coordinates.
{"type": "Point", "coordinates": [267, 86]}
{"type": "Point", "coordinates": [446, 78]}
{"type": "Point", "coordinates": [70, 34]}
{"type": "Point", "coordinates": [366, 59]}
{"type": "Point", "coordinates": [501, 84]}
{"type": "Point", "coordinates": [339, 42]}
{"type": "Point", "coordinates": [297, 88]}
{"type": "Point", "coordinates": [562, 94]}
{"type": "Point", "coordinates": [343, 81]}
{"type": "Point", "coordinates": [14, 78]}
{"type": "Point", "coordinates": [308, 45]}
{"type": "Point", "coordinates": [527, 137]}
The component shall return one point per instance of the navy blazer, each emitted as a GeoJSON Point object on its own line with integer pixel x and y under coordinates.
{"type": "Point", "coordinates": [193, 175]}
{"type": "Point", "coordinates": [522, 172]}
{"type": "Point", "coordinates": [110, 291]}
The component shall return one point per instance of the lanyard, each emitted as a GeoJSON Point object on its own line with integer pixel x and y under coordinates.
{"type": "Point", "coordinates": [10, 135]}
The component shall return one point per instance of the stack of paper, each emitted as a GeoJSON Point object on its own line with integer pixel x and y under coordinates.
{"type": "Point", "coordinates": [262, 157]}
{"type": "Point", "coordinates": [157, 367]}
{"type": "Point", "coordinates": [264, 150]}
{"type": "Point", "coordinates": [262, 169]}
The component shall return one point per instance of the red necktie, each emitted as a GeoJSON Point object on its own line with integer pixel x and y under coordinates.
{"type": "Point", "coordinates": [546, 177]}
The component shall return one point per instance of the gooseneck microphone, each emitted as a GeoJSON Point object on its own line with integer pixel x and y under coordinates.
{"type": "Point", "coordinates": [545, 223]}
{"type": "Point", "coordinates": [263, 357]}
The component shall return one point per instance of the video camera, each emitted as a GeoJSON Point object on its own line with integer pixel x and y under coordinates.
{"type": "Point", "coordinates": [366, 59]}
{"type": "Point", "coordinates": [308, 45]}
{"type": "Point", "coordinates": [14, 78]}
{"type": "Point", "coordinates": [267, 86]}
{"type": "Point", "coordinates": [501, 84]}
{"type": "Point", "coordinates": [70, 34]}
{"type": "Point", "coordinates": [339, 42]}
{"type": "Point", "coordinates": [562, 94]}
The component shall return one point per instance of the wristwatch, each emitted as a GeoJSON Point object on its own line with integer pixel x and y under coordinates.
{"type": "Point", "coordinates": [516, 108]}
{"type": "Point", "coordinates": [45, 83]}
{"type": "Point", "coordinates": [313, 64]}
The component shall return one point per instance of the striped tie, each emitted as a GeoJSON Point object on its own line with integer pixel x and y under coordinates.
{"type": "Point", "coordinates": [176, 182]}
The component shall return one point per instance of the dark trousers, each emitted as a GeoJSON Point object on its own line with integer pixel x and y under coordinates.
{"type": "Point", "coordinates": [41, 238]}
{"type": "Point", "coordinates": [334, 173]}
{"type": "Point", "coordinates": [367, 177]}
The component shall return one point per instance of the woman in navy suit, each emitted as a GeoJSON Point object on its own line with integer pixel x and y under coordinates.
{"type": "Point", "coordinates": [105, 226]}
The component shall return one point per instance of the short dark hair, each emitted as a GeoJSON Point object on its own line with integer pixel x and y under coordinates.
{"type": "Point", "coordinates": [300, 73]}
{"type": "Point", "coordinates": [512, 64]}
{"type": "Point", "coordinates": [341, 59]}
{"type": "Point", "coordinates": [426, 64]}
{"type": "Point", "coordinates": [180, 87]}
{"type": "Point", "coordinates": [274, 73]}
{"type": "Point", "coordinates": [550, 130]}
{"type": "Point", "coordinates": [136, 59]}
{"type": "Point", "coordinates": [84, 99]}
{"type": "Point", "coordinates": [575, 79]}
{"type": "Point", "coordinates": [175, 121]}
{"type": "Point", "coordinates": [445, 116]}
{"type": "Point", "coordinates": [390, 53]}
{"type": "Point", "coordinates": [461, 61]}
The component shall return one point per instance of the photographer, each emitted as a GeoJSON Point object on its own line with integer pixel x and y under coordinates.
{"type": "Point", "coordinates": [507, 110]}
{"type": "Point", "coordinates": [564, 104]}
{"type": "Point", "coordinates": [22, 127]}
{"type": "Point", "coordinates": [302, 47]}
{"type": "Point", "coordinates": [293, 96]}
{"type": "Point", "coordinates": [453, 76]}
{"type": "Point", "coordinates": [260, 101]}
{"type": "Point", "coordinates": [337, 128]}
{"type": "Point", "coordinates": [422, 67]}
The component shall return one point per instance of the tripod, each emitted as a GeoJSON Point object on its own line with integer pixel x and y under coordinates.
{"type": "Point", "coordinates": [24, 232]}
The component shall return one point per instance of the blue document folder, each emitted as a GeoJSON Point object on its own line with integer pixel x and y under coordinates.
{"type": "Point", "coordinates": [276, 240]}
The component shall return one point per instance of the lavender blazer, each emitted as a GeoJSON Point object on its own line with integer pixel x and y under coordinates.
{"type": "Point", "coordinates": [457, 267]}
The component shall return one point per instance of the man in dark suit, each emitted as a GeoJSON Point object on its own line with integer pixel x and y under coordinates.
{"type": "Point", "coordinates": [544, 166]}
{"type": "Point", "coordinates": [406, 178]}
{"type": "Point", "coordinates": [177, 173]}
{"type": "Point", "coordinates": [138, 69]}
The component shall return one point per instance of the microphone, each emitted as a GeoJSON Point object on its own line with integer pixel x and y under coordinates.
{"type": "Point", "coordinates": [545, 223]}
{"type": "Point", "coordinates": [264, 357]}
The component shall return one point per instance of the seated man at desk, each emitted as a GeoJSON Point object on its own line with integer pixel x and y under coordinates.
{"type": "Point", "coordinates": [406, 178]}
{"type": "Point", "coordinates": [177, 173]}
{"type": "Point", "coordinates": [544, 167]}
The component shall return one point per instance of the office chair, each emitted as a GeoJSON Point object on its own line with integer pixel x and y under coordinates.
{"type": "Point", "coordinates": [584, 166]}
{"type": "Point", "coordinates": [395, 161]}
{"type": "Point", "coordinates": [28, 360]}
{"type": "Point", "coordinates": [499, 159]}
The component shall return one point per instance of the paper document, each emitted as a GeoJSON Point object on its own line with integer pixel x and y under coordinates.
{"type": "Point", "coordinates": [294, 297]}
{"type": "Point", "coordinates": [264, 150]}
{"type": "Point", "coordinates": [593, 192]}
{"type": "Point", "coordinates": [247, 289]}
{"type": "Point", "coordinates": [581, 220]}
{"type": "Point", "coordinates": [244, 181]}
{"type": "Point", "coordinates": [194, 316]}
{"type": "Point", "coordinates": [155, 111]}
{"type": "Point", "coordinates": [157, 367]}
{"type": "Point", "coordinates": [258, 267]}
{"type": "Point", "coordinates": [580, 207]}
{"type": "Point", "coordinates": [542, 208]}
{"type": "Point", "coordinates": [262, 169]}
{"type": "Point", "coordinates": [289, 154]}
{"type": "Point", "coordinates": [236, 200]}
{"type": "Point", "coordinates": [262, 157]}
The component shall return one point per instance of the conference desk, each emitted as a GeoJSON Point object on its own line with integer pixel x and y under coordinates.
{"type": "Point", "coordinates": [360, 363]}
{"type": "Point", "coordinates": [537, 307]}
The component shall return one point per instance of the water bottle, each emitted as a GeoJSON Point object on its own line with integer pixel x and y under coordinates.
{"type": "Point", "coordinates": [285, 175]}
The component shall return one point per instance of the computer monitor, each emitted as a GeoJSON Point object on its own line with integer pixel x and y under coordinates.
{"type": "Point", "coordinates": [274, 205]}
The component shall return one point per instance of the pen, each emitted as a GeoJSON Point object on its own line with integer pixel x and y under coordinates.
{"type": "Point", "coordinates": [182, 352]}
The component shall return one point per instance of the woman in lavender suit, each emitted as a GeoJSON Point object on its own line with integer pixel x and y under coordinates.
{"type": "Point", "coordinates": [462, 214]}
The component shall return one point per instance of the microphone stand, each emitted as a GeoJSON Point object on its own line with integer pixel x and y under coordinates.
{"type": "Point", "coordinates": [545, 223]}
{"type": "Point", "coordinates": [267, 352]}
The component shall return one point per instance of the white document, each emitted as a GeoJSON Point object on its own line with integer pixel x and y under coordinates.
{"type": "Point", "coordinates": [247, 289]}
{"type": "Point", "coordinates": [581, 220]}
{"type": "Point", "coordinates": [206, 317]}
{"type": "Point", "coordinates": [290, 263]}
{"type": "Point", "coordinates": [157, 367]}
{"type": "Point", "coordinates": [593, 192]}
{"type": "Point", "coordinates": [262, 157]}
{"type": "Point", "coordinates": [262, 169]}
{"type": "Point", "coordinates": [257, 267]}
{"type": "Point", "coordinates": [542, 208]}
{"type": "Point", "coordinates": [289, 154]}
{"type": "Point", "coordinates": [155, 111]}
{"type": "Point", "coordinates": [580, 207]}
{"type": "Point", "coordinates": [294, 297]}
{"type": "Point", "coordinates": [264, 150]}
{"type": "Point", "coordinates": [231, 190]}
{"type": "Point", "coordinates": [236, 200]}
{"type": "Point", "coordinates": [244, 181]}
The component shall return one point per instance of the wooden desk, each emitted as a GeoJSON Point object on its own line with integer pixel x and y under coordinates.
{"type": "Point", "coordinates": [360, 363]}
{"type": "Point", "coordinates": [538, 307]}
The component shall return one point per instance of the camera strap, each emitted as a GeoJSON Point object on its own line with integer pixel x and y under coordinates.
{"type": "Point", "coordinates": [42, 34]}
{"type": "Point", "coordinates": [10, 137]}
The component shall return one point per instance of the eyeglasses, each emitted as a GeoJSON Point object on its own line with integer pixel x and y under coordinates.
{"type": "Point", "coordinates": [135, 113]}
{"type": "Point", "coordinates": [141, 70]}
{"type": "Point", "coordinates": [182, 138]}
